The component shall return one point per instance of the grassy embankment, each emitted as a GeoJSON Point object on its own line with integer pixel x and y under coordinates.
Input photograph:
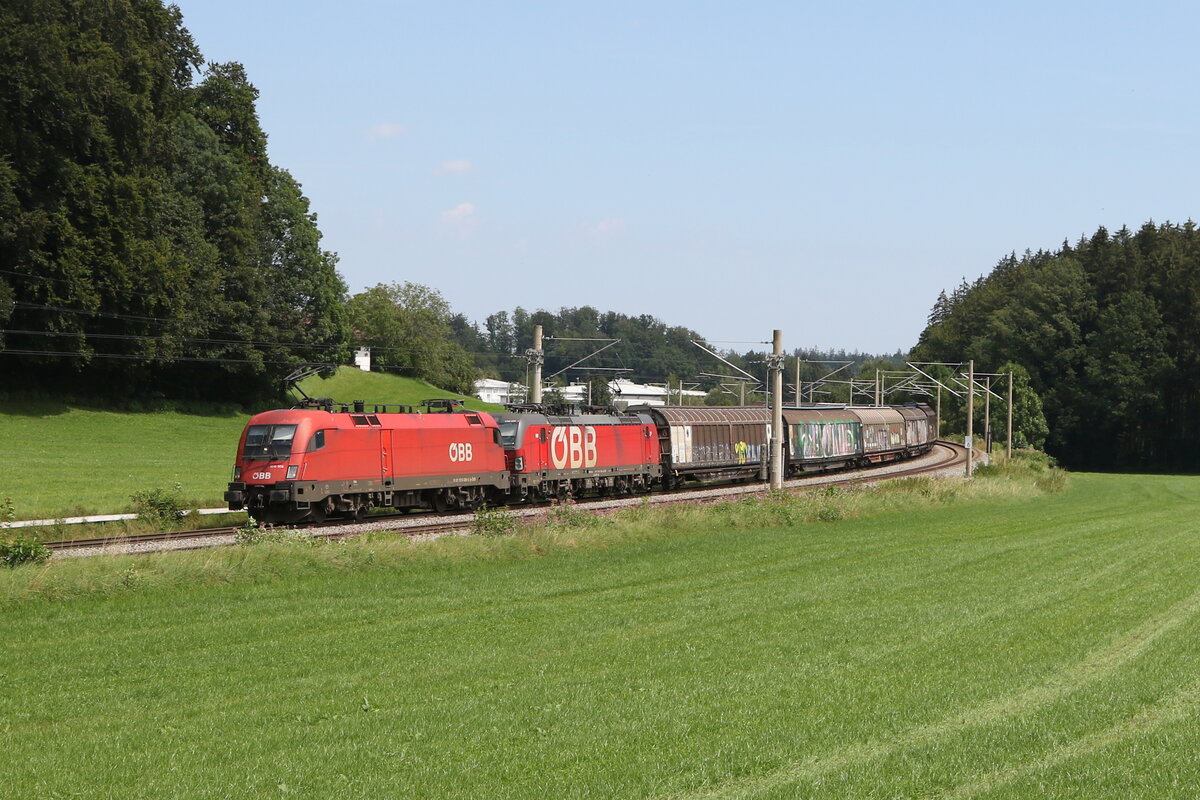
{"type": "Point", "coordinates": [919, 640]}
{"type": "Point", "coordinates": [59, 460]}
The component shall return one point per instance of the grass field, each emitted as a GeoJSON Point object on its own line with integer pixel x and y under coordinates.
{"type": "Point", "coordinates": [58, 461]}
{"type": "Point", "coordinates": [1004, 645]}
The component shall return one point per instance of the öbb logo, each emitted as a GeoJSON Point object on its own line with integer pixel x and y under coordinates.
{"type": "Point", "coordinates": [573, 447]}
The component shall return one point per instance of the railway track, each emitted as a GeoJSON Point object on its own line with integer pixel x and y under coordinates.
{"type": "Point", "coordinates": [944, 456]}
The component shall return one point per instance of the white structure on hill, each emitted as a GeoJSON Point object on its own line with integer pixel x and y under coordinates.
{"type": "Point", "coordinates": [490, 390]}
{"type": "Point", "coordinates": [362, 358]}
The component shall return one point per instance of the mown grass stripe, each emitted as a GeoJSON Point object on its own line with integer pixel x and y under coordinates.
{"type": "Point", "coordinates": [1176, 707]}
{"type": "Point", "coordinates": [1096, 666]}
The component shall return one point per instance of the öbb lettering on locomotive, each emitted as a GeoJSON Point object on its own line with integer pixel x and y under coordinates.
{"type": "Point", "coordinates": [573, 447]}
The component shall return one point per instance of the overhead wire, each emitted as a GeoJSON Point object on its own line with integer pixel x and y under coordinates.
{"type": "Point", "coordinates": [136, 357]}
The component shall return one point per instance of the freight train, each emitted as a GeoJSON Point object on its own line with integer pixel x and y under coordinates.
{"type": "Point", "coordinates": [310, 463]}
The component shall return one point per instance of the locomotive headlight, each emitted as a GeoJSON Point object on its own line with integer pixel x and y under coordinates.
{"type": "Point", "coordinates": [237, 473]}
{"type": "Point", "coordinates": [292, 470]}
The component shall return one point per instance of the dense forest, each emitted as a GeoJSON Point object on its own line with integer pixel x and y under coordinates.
{"type": "Point", "coordinates": [1109, 330]}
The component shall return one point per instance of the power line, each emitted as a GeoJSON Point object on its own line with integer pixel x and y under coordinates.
{"type": "Point", "coordinates": [174, 339]}
{"type": "Point", "coordinates": [105, 314]}
{"type": "Point", "coordinates": [193, 340]}
{"type": "Point", "coordinates": [134, 357]}
{"type": "Point", "coordinates": [47, 278]}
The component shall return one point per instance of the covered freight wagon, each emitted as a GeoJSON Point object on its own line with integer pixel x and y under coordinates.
{"type": "Point", "coordinates": [702, 443]}
{"type": "Point", "coordinates": [822, 438]}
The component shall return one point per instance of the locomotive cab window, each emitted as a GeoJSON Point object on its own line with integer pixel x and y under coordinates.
{"type": "Point", "coordinates": [317, 441]}
{"type": "Point", "coordinates": [508, 433]}
{"type": "Point", "coordinates": [269, 441]}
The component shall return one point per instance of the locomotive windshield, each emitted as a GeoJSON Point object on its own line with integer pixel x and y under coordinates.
{"type": "Point", "coordinates": [269, 441]}
{"type": "Point", "coordinates": [508, 433]}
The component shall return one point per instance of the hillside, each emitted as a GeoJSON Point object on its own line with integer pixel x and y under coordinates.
{"type": "Point", "coordinates": [61, 460]}
{"type": "Point", "coordinates": [351, 384]}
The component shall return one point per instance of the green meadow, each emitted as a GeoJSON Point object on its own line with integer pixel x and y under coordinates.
{"type": "Point", "coordinates": [61, 460]}
{"type": "Point", "coordinates": [1004, 639]}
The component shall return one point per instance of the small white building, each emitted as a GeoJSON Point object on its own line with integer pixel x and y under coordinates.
{"type": "Point", "coordinates": [490, 390]}
{"type": "Point", "coordinates": [362, 358]}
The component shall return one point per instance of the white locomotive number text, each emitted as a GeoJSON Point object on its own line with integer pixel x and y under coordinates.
{"type": "Point", "coordinates": [261, 476]}
{"type": "Point", "coordinates": [573, 446]}
{"type": "Point", "coordinates": [461, 451]}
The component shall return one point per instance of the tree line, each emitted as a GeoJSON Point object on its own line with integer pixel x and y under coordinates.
{"type": "Point", "coordinates": [1109, 331]}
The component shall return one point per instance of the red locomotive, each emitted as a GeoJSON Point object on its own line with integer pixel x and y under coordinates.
{"type": "Point", "coordinates": [307, 464]}
{"type": "Point", "coordinates": [552, 456]}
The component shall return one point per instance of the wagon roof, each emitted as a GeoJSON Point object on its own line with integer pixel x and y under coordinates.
{"type": "Point", "coordinates": [879, 416]}
{"type": "Point", "coordinates": [713, 415]}
{"type": "Point", "coordinates": [798, 416]}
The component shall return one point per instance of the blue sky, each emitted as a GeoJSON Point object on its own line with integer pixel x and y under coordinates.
{"type": "Point", "coordinates": [824, 169]}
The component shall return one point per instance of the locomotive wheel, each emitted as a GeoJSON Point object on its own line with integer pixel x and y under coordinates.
{"type": "Point", "coordinates": [317, 513]}
{"type": "Point", "coordinates": [439, 501]}
{"type": "Point", "coordinates": [360, 513]}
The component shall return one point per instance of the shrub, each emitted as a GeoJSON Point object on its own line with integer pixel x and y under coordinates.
{"type": "Point", "coordinates": [567, 515]}
{"type": "Point", "coordinates": [830, 513]}
{"type": "Point", "coordinates": [251, 533]}
{"type": "Point", "coordinates": [23, 551]}
{"type": "Point", "coordinates": [493, 522]}
{"type": "Point", "coordinates": [8, 512]}
{"type": "Point", "coordinates": [160, 506]}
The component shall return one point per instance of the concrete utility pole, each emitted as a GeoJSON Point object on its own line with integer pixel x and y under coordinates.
{"type": "Point", "coordinates": [987, 417]}
{"type": "Point", "coordinates": [536, 357]}
{"type": "Point", "coordinates": [937, 434]}
{"type": "Point", "coordinates": [878, 390]}
{"type": "Point", "coordinates": [775, 365]}
{"type": "Point", "coordinates": [797, 380]}
{"type": "Point", "coordinates": [970, 442]}
{"type": "Point", "coordinates": [1008, 455]}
